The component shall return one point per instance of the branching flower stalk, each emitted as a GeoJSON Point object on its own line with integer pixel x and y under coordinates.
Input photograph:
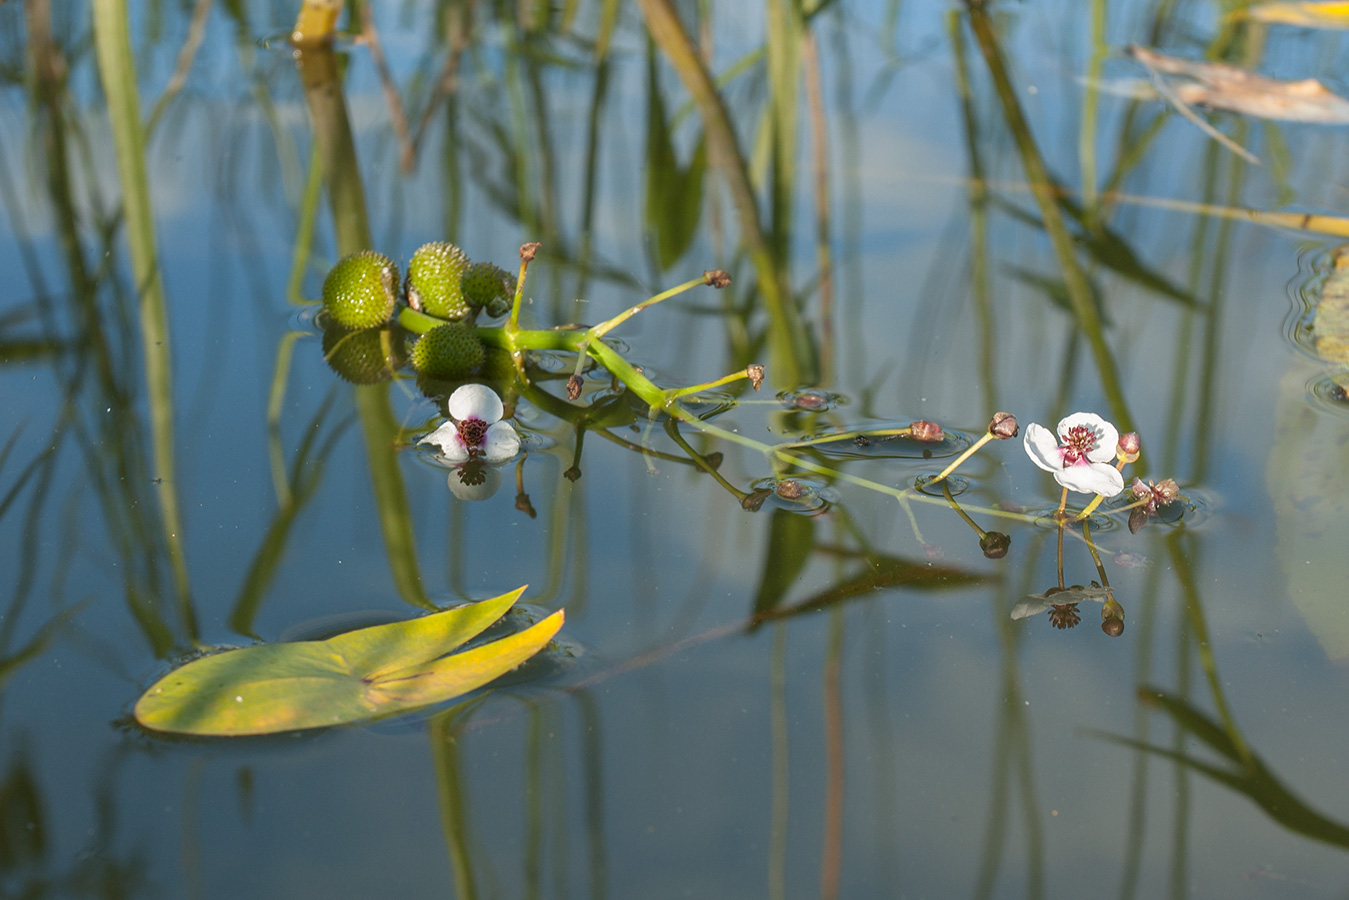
{"type": "Point", "coordinates": [714, 277]}
{"type": "Point", "coordinates": [515, 340]}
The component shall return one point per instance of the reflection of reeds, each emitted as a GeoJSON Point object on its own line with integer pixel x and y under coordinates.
{"type": "Point", "coordinates": [346, 193]}
{"type": "Point", "coordinates": [112, 41]}
{"type": "Point", "coordinates": [792, 357]}
{"type": "Point", "coordinates": [1044, 192]}
{"type": "Point", "coordinates": [92, 358]}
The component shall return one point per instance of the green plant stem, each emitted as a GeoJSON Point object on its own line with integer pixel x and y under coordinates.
{"type": "Point", "coordinates": [677, 393]}
{"type": "Point", "coordinates": [951, 499]}
{"type": "Point", "coordinates": [1095, 555]}
{"type": "Point", "coordinates": [1060, 567]}
{"type": "Point", "coordinates": [600, 330]}
{"type": "Point", "coordinates": [656, 398]}
{"type": "Point", "coordinates": [956, 463]}
{"type": "Point", "coordinates": [832, 437]}
{"type": "Point", "coordinates": [513, 323]}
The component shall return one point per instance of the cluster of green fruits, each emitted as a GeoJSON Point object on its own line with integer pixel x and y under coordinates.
{"type": "Point", "coordinates": [362, 292]}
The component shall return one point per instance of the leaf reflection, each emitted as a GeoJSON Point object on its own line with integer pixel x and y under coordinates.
{"type": "Point", "coordinates": [1250, 776]}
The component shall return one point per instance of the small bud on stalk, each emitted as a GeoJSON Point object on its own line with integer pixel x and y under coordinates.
{"type": "Point", "coordinates": [1003, 427]}
{"type": "Point", "coordinates": [995, 544]}
{"type": "Point", "coordinates": [1129, 447]}
{"type": "Point", "coordinates": [925, 431]}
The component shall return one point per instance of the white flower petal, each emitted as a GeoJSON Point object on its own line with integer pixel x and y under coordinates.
{"type": "Point", "coordinates": [1091, 478]}
{"type": "Point", "coordinates": [475, 401]}
{"type": "Point", "coordinates": [502, 442]}
{"type": "Point", "coordinates": [1107, 435]}
{"type": "Point", "coordinates": [446, 439]}
{"type": "Point", "coordinates": [1042, 448]}
{"type": "Point", "coordinates": [474, 481]}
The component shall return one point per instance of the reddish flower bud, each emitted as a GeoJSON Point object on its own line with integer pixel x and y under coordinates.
{"type": "Point", "coordinates": [1003, 426]}
{"type": "Point", "coordinates": [1128, 447]}
{"type": "Point", "coordinates": [925, 431]}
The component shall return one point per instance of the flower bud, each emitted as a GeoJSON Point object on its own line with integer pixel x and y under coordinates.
{"type": "Point", "coordinates": [995, 544]}
{"type": "Point", "coordinates": [1128, 447]}
{"type": "Point", "coordinates": [927, 432]}
{"type": "Point", "coordinates": [1113, 626]}
{"type": "Point", "coordinates": [1003, 426]}
{"type": "Point", "coordinates": [717, 278]}
{"type": "Point", "coordinates": [755, 373]}
{"type": "Point", "coordinates": [812, 401]}
{"type": "Point", "coordinates": [754, 502]}
{"type": "Point", "coordinates": [790, 489]}
{"type": "Point", "coordinates": [573, 387]}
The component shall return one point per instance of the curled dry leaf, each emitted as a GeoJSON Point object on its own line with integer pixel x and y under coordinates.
{"type": "Point", "coordinates": [1220, 86]}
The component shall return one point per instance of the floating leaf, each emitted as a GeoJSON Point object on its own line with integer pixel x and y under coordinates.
{"type": "Point", "coordinates": [1308, 479]}
{"type": "Point", "coordinates": [353, 677]}
{"type": "Point", "coordinates": [1333, 14]}
{"type": "Point", "coordinates": [1330, 326]}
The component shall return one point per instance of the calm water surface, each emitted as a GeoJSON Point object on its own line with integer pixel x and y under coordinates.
{"type": "Point", "coordinates": [815, 698]}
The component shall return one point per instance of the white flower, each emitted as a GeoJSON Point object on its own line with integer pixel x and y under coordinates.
{"type": "Point", "coordinates": [1080, 458]}
{"type": "Point", "coordinates": [475, 429]}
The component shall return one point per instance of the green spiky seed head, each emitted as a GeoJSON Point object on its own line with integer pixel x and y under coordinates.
{"type": "Point", "coordinates": [433, 284]}
{"type": "Point", "coordinates": [361, 290]}
{"type": "Point", "coordinates": [363, 357]}
{"type": "Point", "coordinates": [448, 351]}
{"type": "Point", "coordinates": [490, 286]}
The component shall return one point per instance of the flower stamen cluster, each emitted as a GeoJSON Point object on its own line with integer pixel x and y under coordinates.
{"type": "Point", "coordinates": [1080, 458]}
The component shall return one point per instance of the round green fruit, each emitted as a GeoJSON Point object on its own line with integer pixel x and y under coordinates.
{"type": "Point", "coordinates": [490, 286]}
{"type": "Point", "coordinates": [448, 351]}
{"type": "Point", "coordinates": [361, 290]}
{"type": "Point", "coordinates": [433, 284]}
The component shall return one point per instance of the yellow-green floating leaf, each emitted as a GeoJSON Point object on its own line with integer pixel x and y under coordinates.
{"type": "Point", "coordinates": [354, 677]}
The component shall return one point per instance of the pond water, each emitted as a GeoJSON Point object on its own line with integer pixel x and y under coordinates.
{"type": "Point", "coordinates": [779, 676]}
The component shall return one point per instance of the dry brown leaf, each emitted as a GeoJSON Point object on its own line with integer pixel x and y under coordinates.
{"type": "Point", "coordinates": [1220, 86]}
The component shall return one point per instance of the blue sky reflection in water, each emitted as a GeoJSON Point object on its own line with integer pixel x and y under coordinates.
{"type": "Point", "coordinates": [911, 740]}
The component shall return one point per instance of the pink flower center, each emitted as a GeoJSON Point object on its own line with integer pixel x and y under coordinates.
{"type": "Point", "coordinates": [1079, 440]}
{"type": "Point", "coordinates": [473, 432]}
